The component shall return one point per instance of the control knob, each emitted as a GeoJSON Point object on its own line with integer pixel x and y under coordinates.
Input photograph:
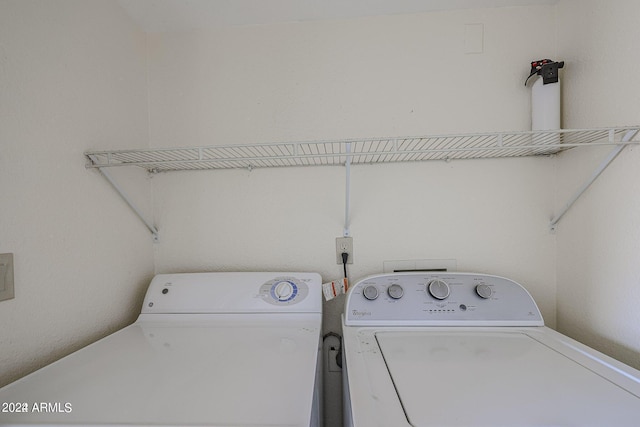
{"type": "Point", "coordinates": [395, 291]}
{"type": "Point", "coordinates": [370, 292]}
{"type": "Point", "coordinates": [484, 291]}
{"type": "Point", "coordinates": [284, 290]}
{"type": "Point", "coordinates": [439, 289]}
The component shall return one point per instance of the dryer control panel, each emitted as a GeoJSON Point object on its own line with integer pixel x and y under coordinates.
{"type": "Point", "coordinates": [234, 292]}
{"type": "Point", "coordinates": [440, 299]}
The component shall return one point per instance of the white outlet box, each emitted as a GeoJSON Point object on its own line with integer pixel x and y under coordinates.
{"type": "Point", "coordinates": [344, 244]}
{"type": "Point", "coordinates": [6, 277]}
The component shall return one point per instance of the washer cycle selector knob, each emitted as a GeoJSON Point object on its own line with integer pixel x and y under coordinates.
{"type": "Point", "coordinates": [439, 289]}
{"type": "Point", "coordinates": [484, 291]}
{"type": "Point", "coordinates": [395, 291]}
{"type": "Point", "coordinates": [370, 292]}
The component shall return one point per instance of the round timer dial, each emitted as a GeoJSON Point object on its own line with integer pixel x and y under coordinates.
{"type": "Point", "coordinates": [439, 289]}
{"type": "Point", "coordinates": [284, 291]}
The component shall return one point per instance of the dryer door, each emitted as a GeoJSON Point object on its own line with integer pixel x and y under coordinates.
{"type": "Point", "coordinates": [248, 370]}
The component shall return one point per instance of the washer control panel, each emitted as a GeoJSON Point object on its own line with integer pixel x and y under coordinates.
{"type": "Point", "coordinates": [440, 299]}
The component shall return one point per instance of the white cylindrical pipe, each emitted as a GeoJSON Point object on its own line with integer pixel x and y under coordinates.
{"type": "Point", "coordinates": [545, 115]}
{"type": "Point", "coordinates": [545, 105]}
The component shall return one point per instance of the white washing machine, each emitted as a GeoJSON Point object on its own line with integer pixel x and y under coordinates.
{"type": "Point", "coordinates": [456, 349]}
{"type": "Point", "coordinates": [208, 349]}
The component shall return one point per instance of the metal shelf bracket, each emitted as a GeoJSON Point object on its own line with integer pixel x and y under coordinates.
{"type": "Point", "coordinates": [628, 136]}
{"type": "Point", "coordinates": [347, 207]}
{"type": "Point", "coordinates": [152, 228]}
{"type": "Point", "coordinates": [348, 152]}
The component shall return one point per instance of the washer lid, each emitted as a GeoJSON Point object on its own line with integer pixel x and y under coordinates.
{"type": "Point", "coordinates": [499, 379]}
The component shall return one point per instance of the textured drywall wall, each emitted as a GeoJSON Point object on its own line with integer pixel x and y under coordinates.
{"type": "Point", "coordinates": [380, 76]}
{"type": "Point", "coordinates": [399, 75]}
{"type": "Point", "coordinates": [599, 239]}
{"type": "Point", "coordinates": [72, 77]}
{"type": "Point", "coordinates": [393, 76]}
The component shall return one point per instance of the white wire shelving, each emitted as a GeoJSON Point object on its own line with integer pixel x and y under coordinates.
{"type": "Point", "coordinates": [360, 151]}
{"type": "Point", "coordinates": [365, 151]}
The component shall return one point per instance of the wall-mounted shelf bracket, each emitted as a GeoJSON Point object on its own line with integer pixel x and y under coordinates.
{"type": "Point", "coordinates": [628, 136]}
{"type": "Point", "coordinates": [347, 207]}
{"type": "Point", "coordinates": [152, 228]}
{"type": "Point", "coordinates": [350, 152]}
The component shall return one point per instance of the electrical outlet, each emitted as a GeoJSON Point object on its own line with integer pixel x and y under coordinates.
{"type": "Point", "coordinates": [6, 277]}
{"type": "Point", "coordinates": [344, 244]}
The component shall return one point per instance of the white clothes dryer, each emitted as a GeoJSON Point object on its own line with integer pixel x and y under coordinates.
{"type": "Point", "coordinates": [208, 349]}
{"type": "Point", "coordinates": [460, 349]}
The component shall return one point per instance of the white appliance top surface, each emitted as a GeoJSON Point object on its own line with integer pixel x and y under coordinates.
{"type": "Point", "coordinates": [462, 349]}
{"type": "Point", "coordinates": [257, 371]}
{"type": "Point", "coordinates": [499, 379]}
{"type": "Point", "coordinates": [209, 349]}
{"type": "Point", "coordinates": [451, 376]}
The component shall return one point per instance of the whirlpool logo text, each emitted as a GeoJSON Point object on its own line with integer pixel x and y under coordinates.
{"type": "Point", "coordinates": [360, 313]}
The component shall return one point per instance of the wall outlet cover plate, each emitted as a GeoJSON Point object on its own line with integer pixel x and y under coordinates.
{"type": "Point", "coordinates": [6, 277]}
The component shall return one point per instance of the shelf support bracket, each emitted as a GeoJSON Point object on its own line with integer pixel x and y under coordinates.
{"type": "Point", "coordinates": [628, 136]}
{"type": "Point", "coordinates": [347, 208]}
{"type": "Point", "coordinates": [132, 206]}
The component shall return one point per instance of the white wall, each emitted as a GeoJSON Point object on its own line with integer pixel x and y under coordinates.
{"type": "Point", "coordinates": [388, 76]}
{"type": "Point", "coordinates": [599, 239]}
{"type": "Point", "coordinates": [72, 78]}
{"type": "Point", "coordinates": [395, 75]}
{"type": "Point", "coordinates": [398, 75]}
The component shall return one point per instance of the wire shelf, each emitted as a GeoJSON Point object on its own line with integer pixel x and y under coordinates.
{"type": "Point", "coordinates": [359, 151]}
